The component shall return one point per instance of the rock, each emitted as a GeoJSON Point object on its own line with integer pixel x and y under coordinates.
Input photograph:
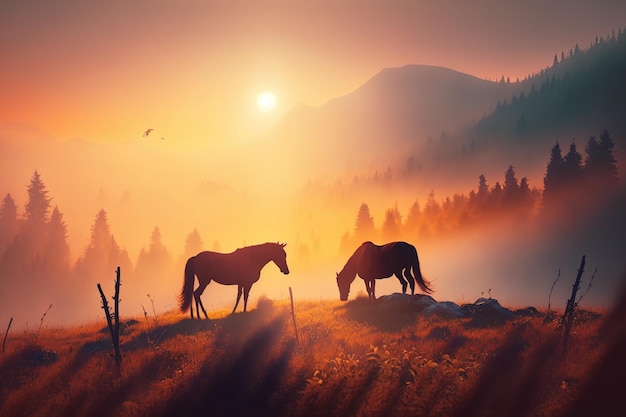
{"type": "Point", "coordinates": [445, 309]}
{"type": "Point", "coordinates": [527, 312]}
{"type": "Point", "coordinates": [415, 303]}
{"type": "Point", "coordinates": [47, 356]}
{"type": "Point", "coordinates": [487, 312]}
{"type": "Point", "coordinates": [422, 302]}
{"type": "Point", "coordinates": [484, 312]}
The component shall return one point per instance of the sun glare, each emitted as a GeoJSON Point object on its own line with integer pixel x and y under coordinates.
{"type": "Point", "coordinates": [266, 101]}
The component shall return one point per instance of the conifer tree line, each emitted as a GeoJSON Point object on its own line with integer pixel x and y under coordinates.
{"type": "Point", "coordinates": [34, 244]}
{"type": "Point", "coordinates": [567, 174]}
{"type": "Point", "coordinates": [568, 179]}
{"type": "Point", "coordinates": [583, 88]}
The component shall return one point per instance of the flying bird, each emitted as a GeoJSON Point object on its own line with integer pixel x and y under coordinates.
{"type": "Point", "coordinates": [147, 132]}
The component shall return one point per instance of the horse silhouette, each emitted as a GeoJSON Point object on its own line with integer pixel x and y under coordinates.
{"type": "Point", "coordinates": [372, 262]}
{"type": "Point", "coordinates": [241, 267]}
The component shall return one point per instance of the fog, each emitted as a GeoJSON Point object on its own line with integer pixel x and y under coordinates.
{"type": "Point", "coordinates": [235, 198]}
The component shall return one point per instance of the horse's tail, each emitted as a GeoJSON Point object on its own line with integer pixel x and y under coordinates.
{"type": "Point", "coordinates": [423, 283]}
{"type": "Point", "coordinates": [187, 292]}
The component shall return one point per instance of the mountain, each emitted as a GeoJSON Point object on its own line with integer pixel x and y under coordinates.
{"type": "Point", "coordinates": [398, 111]}
{"type": "Point", "coordinates": [445, 120]}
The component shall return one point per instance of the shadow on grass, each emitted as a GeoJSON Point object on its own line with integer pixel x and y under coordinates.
{"type": "Point", "coordinates": [601, 393]}
{"type": "Point", "coordinates": [244, 374]}
{"type": "Point", "coordinates": [237, 325]}
{"type": "Point", "coordinates": [21, 365]}
{"type": "Point", "coordinates": [510, 381]}
{"type": "Point", "coordinates": [247, 378]}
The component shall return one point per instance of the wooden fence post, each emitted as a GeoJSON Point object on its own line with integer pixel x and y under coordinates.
{"type": "Point", "coordinates": [114, 328]}
{"type": "Point", "coordinates": [568, 315]}
{"type": "Point", "coordinates": [293, 316]}
{"type": "Point", "coordinates": [4, 342]}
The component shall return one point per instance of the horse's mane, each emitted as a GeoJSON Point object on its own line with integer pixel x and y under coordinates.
{"type": "Point", "coordinates": [254, 249]}
{"type": "Point", "coordinates": [259, 245]}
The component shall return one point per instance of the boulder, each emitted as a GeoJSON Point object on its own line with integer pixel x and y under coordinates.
{"type": "Point", "coordinates": [487, 312]}
{"type": "Point", "coordinates": [483, 312]}
{"type": "Point", "coordinates": [446, 309]}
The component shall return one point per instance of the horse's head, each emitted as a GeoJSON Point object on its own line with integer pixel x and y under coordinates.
{"type": "Point", "coordinates": [280, 258]}
{"type": "Point", "coordinates": [343, 282]}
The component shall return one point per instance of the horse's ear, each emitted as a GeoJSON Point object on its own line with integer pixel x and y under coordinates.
{"type": "Point", "coordinates": [337, 274]}
{"type": "Point", "coordinates": [283, 244]}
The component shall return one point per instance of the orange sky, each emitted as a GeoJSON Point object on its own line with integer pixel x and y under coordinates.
{"type": "Point", "coordinates": [106, 71]}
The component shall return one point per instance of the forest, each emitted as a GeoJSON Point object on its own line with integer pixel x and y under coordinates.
{"type": "Point", "coordinates": [569, 179]}
{"type": "Point", "coordinates": [581, 88]}
{"type": "Point", "coordinates": [36, 257]}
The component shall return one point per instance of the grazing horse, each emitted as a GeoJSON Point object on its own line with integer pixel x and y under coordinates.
{"type": "Point", "coordinates": [241, 267]}
{"type": "Point", "coordinates": [374, 262]}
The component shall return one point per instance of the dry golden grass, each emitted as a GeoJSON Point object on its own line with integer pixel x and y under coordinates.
{"type": "Point", "coordinates": [353, 358]}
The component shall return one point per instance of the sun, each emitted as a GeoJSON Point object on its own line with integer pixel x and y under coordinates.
{"type": "Point", "coordinates": [266, 101]}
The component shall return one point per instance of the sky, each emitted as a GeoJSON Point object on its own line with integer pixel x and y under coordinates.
{"type": "Point", "coordinates": [107, 70]}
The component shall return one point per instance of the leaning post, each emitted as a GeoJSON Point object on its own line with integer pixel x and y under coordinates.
{"type": "Point", "coordinates": [568, 315]}
{"type": "Point", "coordinates": [113, 321]}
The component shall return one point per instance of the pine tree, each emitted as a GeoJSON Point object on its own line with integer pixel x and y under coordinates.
{"type": "Point", "coordinates": [600, 164]}
{"type": "Point", "coordinates": [8, 222]}
{"type": "Point", "coordinates": [155, 262]}
{"type": "Point", "coordinates": [524, 190]}
{"type": "Point", "coordinates": [391, 224]}
{"type": "Point", "coordinates": [413, 219]}
{"type": "Point", "coordinates": [33, 231]}
{"type": "Point", "coordinates": [553, 180]}
{"type": "Point", "coordinates": [157, 248]}
{"type": "Point", "coordinates": [479, 200]}
{"type": "Point", "coordinates": [483, 188]}
{"type": "Point", "coordinates": [608, 146]}
{"type": "Point", "coordinates": [511, 187]}
{"type": "Point", "coordinates": [102, 254]}
{"type": "Point", "coordinates": [57, 250]}
{"type": "Point", "coordinates": [432, 215]}
{"type": "Point", "coordinates": [364, 225]}
{"type": "Point", "coordinates": [38, 204]}
{"type": "Point", "coordinates": [495, 197]}
{"type": "Point", "coordinates": [100, 241]}
{"type": "Point", "coordinates": [572, 166]}
{"type": "Point", "coordinates": [193, 243]}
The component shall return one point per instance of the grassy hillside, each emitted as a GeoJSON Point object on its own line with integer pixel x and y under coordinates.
{"type": "Point", "coordinates": [354, 358]}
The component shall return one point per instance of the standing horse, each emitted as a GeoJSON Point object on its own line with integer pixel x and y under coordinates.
{"type": "Point", "coordinates": [374, 262]}
{"type": "Point", "coordinates": [241, 267]}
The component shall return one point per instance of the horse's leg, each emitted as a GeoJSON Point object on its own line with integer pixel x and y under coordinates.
{"type": "Point", "coordinates": [203, 310]}
{"type": "Point", "coordinates": [196, 294]}
{"type": "Point", "coordinates": [409, 277]}
{"type": "Point", "coordinates": [246, 292]}
{"type": "Point", "coordinates": [402, 281]}
{"type": "Point", "coordinates": [239, 290]}
{"type": "Point", "coordinates": [370, 286]}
